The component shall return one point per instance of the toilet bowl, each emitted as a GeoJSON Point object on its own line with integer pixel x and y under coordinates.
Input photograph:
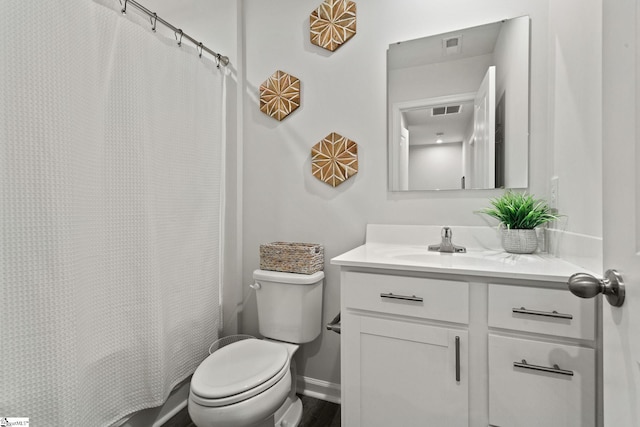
{"type": "Point", "coordinates": [251, 383]}
{"type": "Point", "coordinates": [241, 384]}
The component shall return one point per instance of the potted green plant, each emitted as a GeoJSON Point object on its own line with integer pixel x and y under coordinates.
{"type": "Point", "coordinates": [519, 214]}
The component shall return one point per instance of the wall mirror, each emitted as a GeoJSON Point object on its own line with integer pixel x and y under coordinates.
{"type": "Point", "coordinates": [458, 109]}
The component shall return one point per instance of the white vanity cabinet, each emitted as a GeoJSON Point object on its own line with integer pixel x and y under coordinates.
{"type": "Point", "coordinates": [541, 357]}
{"type": "Point", "coordinates": [479, 339]}
{"type": "Point", "coordinates": [404, 351]}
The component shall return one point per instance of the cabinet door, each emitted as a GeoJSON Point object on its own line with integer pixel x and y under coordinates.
{"type": "Point", "coordinates": [533, 383]}
{"type": "Point", "coordinates": [398, 373]}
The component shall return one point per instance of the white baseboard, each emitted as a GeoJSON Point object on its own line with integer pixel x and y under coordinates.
{"type": "Point", "coordinates": [318, 389]}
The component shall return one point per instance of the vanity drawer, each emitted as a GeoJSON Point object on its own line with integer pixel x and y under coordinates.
{"type": "Point", "coordinates": [541, 310]}
{"type": "Point", "coordinates": [445, 300]}
{"type": "Point", "coordinates": [527, 390]}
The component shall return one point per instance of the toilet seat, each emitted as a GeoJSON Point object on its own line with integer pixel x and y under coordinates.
{"type": "Point", "coordinates": [238, 372]}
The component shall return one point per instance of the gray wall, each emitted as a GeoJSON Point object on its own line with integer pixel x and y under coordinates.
{"type": "Point", "coordinates": [436, 166]}
{"type": "Point", "coordinates": [345, 91]}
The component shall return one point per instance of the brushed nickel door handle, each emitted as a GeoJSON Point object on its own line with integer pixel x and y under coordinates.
{"type": "Point", "coordinates": [585, 285]}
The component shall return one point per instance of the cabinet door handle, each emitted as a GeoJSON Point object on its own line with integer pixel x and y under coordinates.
{"type": "Point", "coordinates": [457, 359]}
{"type": "Point", "coordinates": [554, 370]}
{"type": "Point", "coordinates": [402, 297]}
{"type": "Point", "coordinates": [553, 313]}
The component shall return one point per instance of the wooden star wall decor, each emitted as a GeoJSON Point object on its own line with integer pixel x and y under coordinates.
{"type": "Point", "coordinates": [280, 95]}
{"type": "Point", "coordinates": [334, 159]}
{"type": "Point", "coordinates": [333, 23]}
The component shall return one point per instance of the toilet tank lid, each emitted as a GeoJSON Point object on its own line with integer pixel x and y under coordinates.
{"type": "Point", "coordinates": [293, 278]}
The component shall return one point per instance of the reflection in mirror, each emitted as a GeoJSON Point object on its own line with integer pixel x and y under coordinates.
{"type": "Point", "coordinates": [458, 108]}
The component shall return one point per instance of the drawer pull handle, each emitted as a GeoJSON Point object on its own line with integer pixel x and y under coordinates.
{"type": "Point", "coordinates": [553, 313]}
{"type": "Point", "coordinates": [554, 370]}
{"type": "Point", "coordinates": [402, 297]}
{"type": "Point", "coordinates": [457, 359]}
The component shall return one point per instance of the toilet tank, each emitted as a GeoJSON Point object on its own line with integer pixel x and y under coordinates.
{"type": "Point", "coordinates": [289, 305]}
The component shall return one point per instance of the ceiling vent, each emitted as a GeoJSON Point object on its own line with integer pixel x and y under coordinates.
{"type": "Point", "coordinates": [452, 45]}
{"type": "Point", "coordinates": [443, 111]}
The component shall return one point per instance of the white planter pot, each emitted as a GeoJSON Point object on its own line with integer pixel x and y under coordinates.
{"type": "Point", "coordinates": [519, 241]}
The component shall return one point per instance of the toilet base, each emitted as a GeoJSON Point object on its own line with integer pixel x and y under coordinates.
{"type": "Point", "coordinates": [290, 413]}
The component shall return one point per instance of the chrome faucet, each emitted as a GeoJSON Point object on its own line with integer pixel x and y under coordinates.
{"type": "Point", "coordinates": [446, 245]}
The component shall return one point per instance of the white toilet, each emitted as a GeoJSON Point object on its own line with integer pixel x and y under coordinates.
{"type": "Point", "coordinates": [252, 382]}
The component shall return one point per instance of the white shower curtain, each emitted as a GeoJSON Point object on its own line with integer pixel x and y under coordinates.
{"type": "Point", "coordinates": [110, 168]}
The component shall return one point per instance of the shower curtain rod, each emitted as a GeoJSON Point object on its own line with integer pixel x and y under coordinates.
{"type": "Point", "coordinates": [222, 60]}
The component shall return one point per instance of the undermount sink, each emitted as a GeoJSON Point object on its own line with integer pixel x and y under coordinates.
{"type": "Point", "coordinates": [420, 256]}
{"type": "Point", "coordinates": [405, 248]}
{"type": "Point", "coordinates": [471, 257]}
{"type": "Point", "coordinates": [413, 252]}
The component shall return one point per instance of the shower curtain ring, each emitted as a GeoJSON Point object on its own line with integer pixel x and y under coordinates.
{"type": "Point", "coordinates": [176, 35]}
{"type": "Point", "coordinates": [124, 9]}
{"type": "Point", "coordinates": [218, 60]}
{"type": "Point", "coordinates": [154, 21]}
{"type": "Point", "coordinates": [200, 50]}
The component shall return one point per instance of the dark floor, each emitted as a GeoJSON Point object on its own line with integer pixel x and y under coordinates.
{"type": "Point", "coordinates": [316, 413]}
{"type": "Point", "coordinates": [319, 413]}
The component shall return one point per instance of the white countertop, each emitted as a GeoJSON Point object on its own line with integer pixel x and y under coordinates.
{"type": "Point", "coordinates": [485, 260]}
